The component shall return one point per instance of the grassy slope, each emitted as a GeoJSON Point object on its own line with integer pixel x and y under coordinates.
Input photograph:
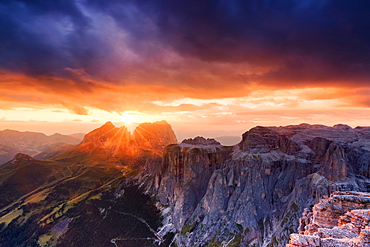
{"type": "Point", "coordinates": [37, 197]}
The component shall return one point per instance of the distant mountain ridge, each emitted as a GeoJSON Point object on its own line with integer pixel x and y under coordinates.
{"type": "Point", "coordinates": [6, 153]}
{"type": "Point", "coordinates": [30, 143]}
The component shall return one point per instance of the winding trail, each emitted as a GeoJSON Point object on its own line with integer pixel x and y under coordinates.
{"type": "Point", "coordinates": [157, 239]}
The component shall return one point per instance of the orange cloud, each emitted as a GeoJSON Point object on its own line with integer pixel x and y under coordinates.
{"type": "Point", "coordinates": [39, 92]}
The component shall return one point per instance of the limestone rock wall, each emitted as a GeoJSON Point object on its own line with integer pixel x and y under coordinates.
{"type": "Point", "coordinates": [255, 193]}
{"type": "Point", "coordinates": [118, 142]}
{"type": "Point", "coordinates": [341, 220]}
{"type": "Point", "coordinates": [184, 175]}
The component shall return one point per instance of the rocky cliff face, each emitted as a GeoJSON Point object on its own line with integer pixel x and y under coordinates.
{"type": "Point", "coordinates": [341, 220]}
{"type": "Point", "coordinates": [118, 142]}
{"type": "Point", "coordinates": [255, 193]}
{"type": "Point", "coordinates": [154, 135]}
{"type": "Point", "coordinates": [180, 181]}
{"type": "Point", "coordinates": [107, 137]}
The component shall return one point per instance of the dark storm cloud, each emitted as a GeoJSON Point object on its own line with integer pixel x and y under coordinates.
{"type": "Point", "coordinates": [313, 41]}
{"type": "Point", "coordinates": [30, 38]}
{"type": "Point", "coordinates": [307, 41]}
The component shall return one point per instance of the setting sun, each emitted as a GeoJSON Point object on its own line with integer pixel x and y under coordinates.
{"type": "Point", "coordinates": [128, 118]}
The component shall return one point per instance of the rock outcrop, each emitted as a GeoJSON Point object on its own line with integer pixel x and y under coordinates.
{"type": "Point", "coordinates": [341, 220]}
{"type": "Point", "coordinates": [118, 142]}
{"type": "Point", "coordinates": [20, 157]}
{"type": "Point", "coordinates": [107, 137]}
{"type": "Point", "coordinates": [182, 177]}
{"type": "Point", "coordinates": [254, 193]}
{"type": "Point", "coordinates": [154, 135]}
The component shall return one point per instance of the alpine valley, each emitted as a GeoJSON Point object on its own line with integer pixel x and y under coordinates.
{"type": "Point", "coordinates": [301, 185]}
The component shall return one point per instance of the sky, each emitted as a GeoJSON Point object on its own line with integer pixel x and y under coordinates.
{"type": "Point", "coordinates": [210, 68]}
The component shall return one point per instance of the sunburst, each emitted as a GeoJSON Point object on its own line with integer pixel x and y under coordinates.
{"type": "Point", "coordinates": [128, 118]}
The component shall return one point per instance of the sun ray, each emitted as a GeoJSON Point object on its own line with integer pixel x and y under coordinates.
{"type": "Point", "coordinates": [129, 120]}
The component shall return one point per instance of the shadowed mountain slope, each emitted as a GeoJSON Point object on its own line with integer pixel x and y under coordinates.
{"type": "Point", "coordinates": [89, 188]}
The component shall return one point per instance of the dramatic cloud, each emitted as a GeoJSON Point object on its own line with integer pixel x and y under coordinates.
{"type": "Point", "coordinates": [149, 55]}
{"type": "Point", "coordinates": [291, 41]}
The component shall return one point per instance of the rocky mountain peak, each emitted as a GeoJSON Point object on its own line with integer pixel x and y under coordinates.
{"type": "Point", "coordinates": [21, 156]}
{"type": "Point", "coordinates": [108, 125]}
{"type": "Point", "coordinates": [342, 127]}
{"type": "Point", "coordinates": [155, 135]}
{"type": "Point", "coordinates": [101, 134]}
{"type": "Point", "coordinates": [56, 135]}
{"type": "Point", "coordinates": [264, 139]}
{"type": "Point", "coordinates": [199, 140]}
{"type": "Point", "coordinates": [120, 142]}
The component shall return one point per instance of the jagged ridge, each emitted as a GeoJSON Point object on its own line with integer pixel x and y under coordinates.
{"type": "Point", "coordinates": [112, 143]}
{"type": "Point", "coordinates": [254, 194]}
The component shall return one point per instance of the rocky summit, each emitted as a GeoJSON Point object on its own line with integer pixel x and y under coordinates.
{"type": "Point", "coordinates": [301, 185]}
{"type": "Point", "coordinates": [112, 142]}
{"type": "Point", "coordinates": [254, 193]}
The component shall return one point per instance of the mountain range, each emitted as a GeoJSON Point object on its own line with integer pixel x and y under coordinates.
{"type": "Point", "coordinates": [33, 143]}
{"type": "Point", "coordinates": [115, 188]}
